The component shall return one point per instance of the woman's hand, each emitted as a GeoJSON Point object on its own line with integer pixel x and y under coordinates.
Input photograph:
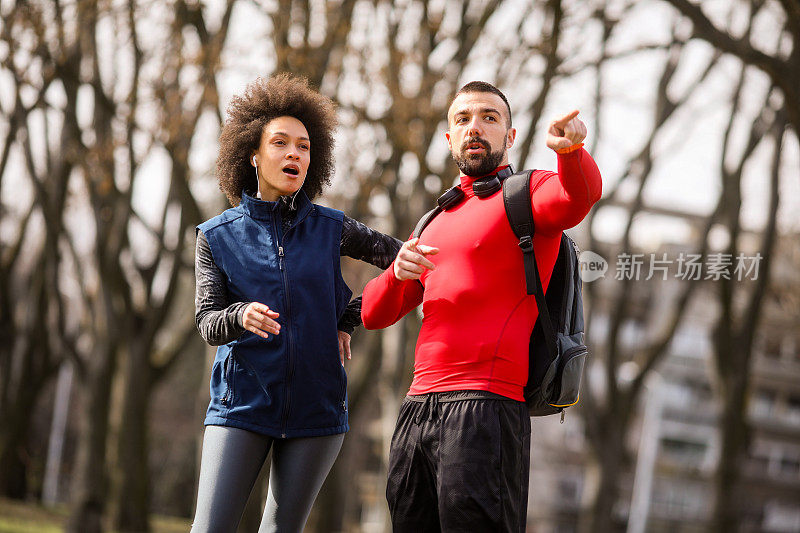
{"type": "Point", "coordinates": [344, 346]}
{"type": "Point", "coordinates": [260, 319]}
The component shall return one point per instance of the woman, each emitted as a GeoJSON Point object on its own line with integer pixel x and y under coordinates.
{"type": "Point", "coordinates": [270, 294]}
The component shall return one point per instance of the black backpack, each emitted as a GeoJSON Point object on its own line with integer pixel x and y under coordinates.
{"type": "Point", "coordinates": [556, 352]}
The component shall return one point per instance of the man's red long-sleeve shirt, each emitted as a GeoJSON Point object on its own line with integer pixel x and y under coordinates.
{"type": "Point", "coordinates": [477, 316]}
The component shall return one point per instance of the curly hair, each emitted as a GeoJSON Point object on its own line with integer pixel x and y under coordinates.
{"type": "Point", "coordinates": [264, 100]}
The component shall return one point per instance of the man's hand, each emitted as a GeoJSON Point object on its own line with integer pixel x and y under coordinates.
{"type": "Point", "coordinates": [566, 131]}
{"type": "Point", "coordinates": [344, 346]}
{"type": "Point", "coordinates": [411, 260]}
{"type": "Point", "coordinates": [260, 319]}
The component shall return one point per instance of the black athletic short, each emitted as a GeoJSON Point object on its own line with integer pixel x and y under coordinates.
{"type": "Point", "coordinates": [459, 461]}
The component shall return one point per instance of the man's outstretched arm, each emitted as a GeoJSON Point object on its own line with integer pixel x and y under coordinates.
{"type": "Point", "coordinates": [562, 200]}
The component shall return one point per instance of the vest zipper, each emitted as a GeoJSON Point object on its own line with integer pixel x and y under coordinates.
{"type": "Point", "coordinates": [290, 361]}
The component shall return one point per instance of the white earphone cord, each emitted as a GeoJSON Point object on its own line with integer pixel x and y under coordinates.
{"type": "Point", "coordinates": [294, 195]}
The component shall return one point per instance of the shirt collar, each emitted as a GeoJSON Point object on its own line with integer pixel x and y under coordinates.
{"type": "Point", "coordinates": [263, 209]}
{"type": "Point", "coordinates": [467, 181]}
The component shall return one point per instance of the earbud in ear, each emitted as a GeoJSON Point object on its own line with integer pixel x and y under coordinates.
{"type": "Point", "coordinates": [254, 160]}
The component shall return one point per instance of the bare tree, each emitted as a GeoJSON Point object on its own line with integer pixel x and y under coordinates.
{"type": "Point", "coordinates": [609, 411]}
{"type": "Point", "coordinates": [740, 317]}
{"type": "Point", "coordinates": [147, 362]}
{"type": "Point", "coordinates": [126, 299]}
{"type": "Point", "coordinates": [32, 304]}
{"type": "Point", "coordinates": [782, 64]}
{"type": "Point", "coordinates": [738, 323]}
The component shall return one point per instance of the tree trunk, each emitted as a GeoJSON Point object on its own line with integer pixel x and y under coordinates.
{"type": "Point", "coordinates": [13, 474]}
{"type": "Point", "coordinates": [91, 484]}
{"type": "Point", "coordinates": [26, 367]}
{"type": "Point", "coordinates": [131, 508]}
{"type": "Point", "coordinates": [16, 420]}
{"type": "Point", "coordinates": [610, 458]}
{"type": "Point", "coordinates": [727, 512]}
{"type": "Point", "coordinates": [14, 429]}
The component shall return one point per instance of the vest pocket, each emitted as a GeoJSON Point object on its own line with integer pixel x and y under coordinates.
{"type": "Point", "coordinates": [343, 384]}
{"type": "Point", "coordinates": [227, 380]}
{"type": "Point", "coordinates": [253, 385]}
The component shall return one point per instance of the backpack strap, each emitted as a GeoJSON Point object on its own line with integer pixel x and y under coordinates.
{"type": "Point", "coordinates": [517, 201]}
{"type": "Point", "coordinates": [425, 220]}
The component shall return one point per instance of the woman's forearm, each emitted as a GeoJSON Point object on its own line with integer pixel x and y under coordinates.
{"type": "Point", "coordinates": [218, 321]}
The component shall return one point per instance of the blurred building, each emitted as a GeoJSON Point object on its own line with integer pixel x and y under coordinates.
{"type": "Point", "coordinates": [674, 444]}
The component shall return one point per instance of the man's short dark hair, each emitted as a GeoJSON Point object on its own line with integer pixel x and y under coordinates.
{"type": "Point", "coordinates": [484, 87]}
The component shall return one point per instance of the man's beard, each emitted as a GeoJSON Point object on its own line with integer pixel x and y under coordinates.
{"type": "Point", "coordinates": [477, 164]}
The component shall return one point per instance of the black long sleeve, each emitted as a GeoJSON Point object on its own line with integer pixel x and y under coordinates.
{"type": "Point", "coordinates": [365, 244]}
{"type": "Point", "coordinates": [218, 321]}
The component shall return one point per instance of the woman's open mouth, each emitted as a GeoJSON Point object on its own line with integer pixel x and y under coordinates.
{"type": "Point", "coordinates": [291, 170]}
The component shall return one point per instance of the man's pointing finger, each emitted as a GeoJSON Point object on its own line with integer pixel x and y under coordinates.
{"type": "Point", "coordinates": [561, 122]}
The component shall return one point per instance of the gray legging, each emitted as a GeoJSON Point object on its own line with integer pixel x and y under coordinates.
{"type": "Point", "coordinates": [231, 461]}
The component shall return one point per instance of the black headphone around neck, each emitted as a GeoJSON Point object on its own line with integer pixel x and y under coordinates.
{"type": "Point", "coordinates": [483, 188]}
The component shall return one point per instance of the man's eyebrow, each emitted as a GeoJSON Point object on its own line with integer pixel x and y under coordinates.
{"type": "Point", "coordinates": [482, 110]}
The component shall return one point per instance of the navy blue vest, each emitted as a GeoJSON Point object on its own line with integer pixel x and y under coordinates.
{"type": "Point", "coordinates": [291, 384]}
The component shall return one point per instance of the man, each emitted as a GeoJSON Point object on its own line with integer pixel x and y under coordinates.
{"type": "Point", "coordinates": [460, 454]}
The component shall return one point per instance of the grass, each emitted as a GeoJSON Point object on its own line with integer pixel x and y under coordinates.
{"type": "Point", "coordinates": [32, 517]}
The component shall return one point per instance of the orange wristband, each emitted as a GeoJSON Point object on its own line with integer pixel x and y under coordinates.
{"type": "Point", "coordinates": [569, 149]}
